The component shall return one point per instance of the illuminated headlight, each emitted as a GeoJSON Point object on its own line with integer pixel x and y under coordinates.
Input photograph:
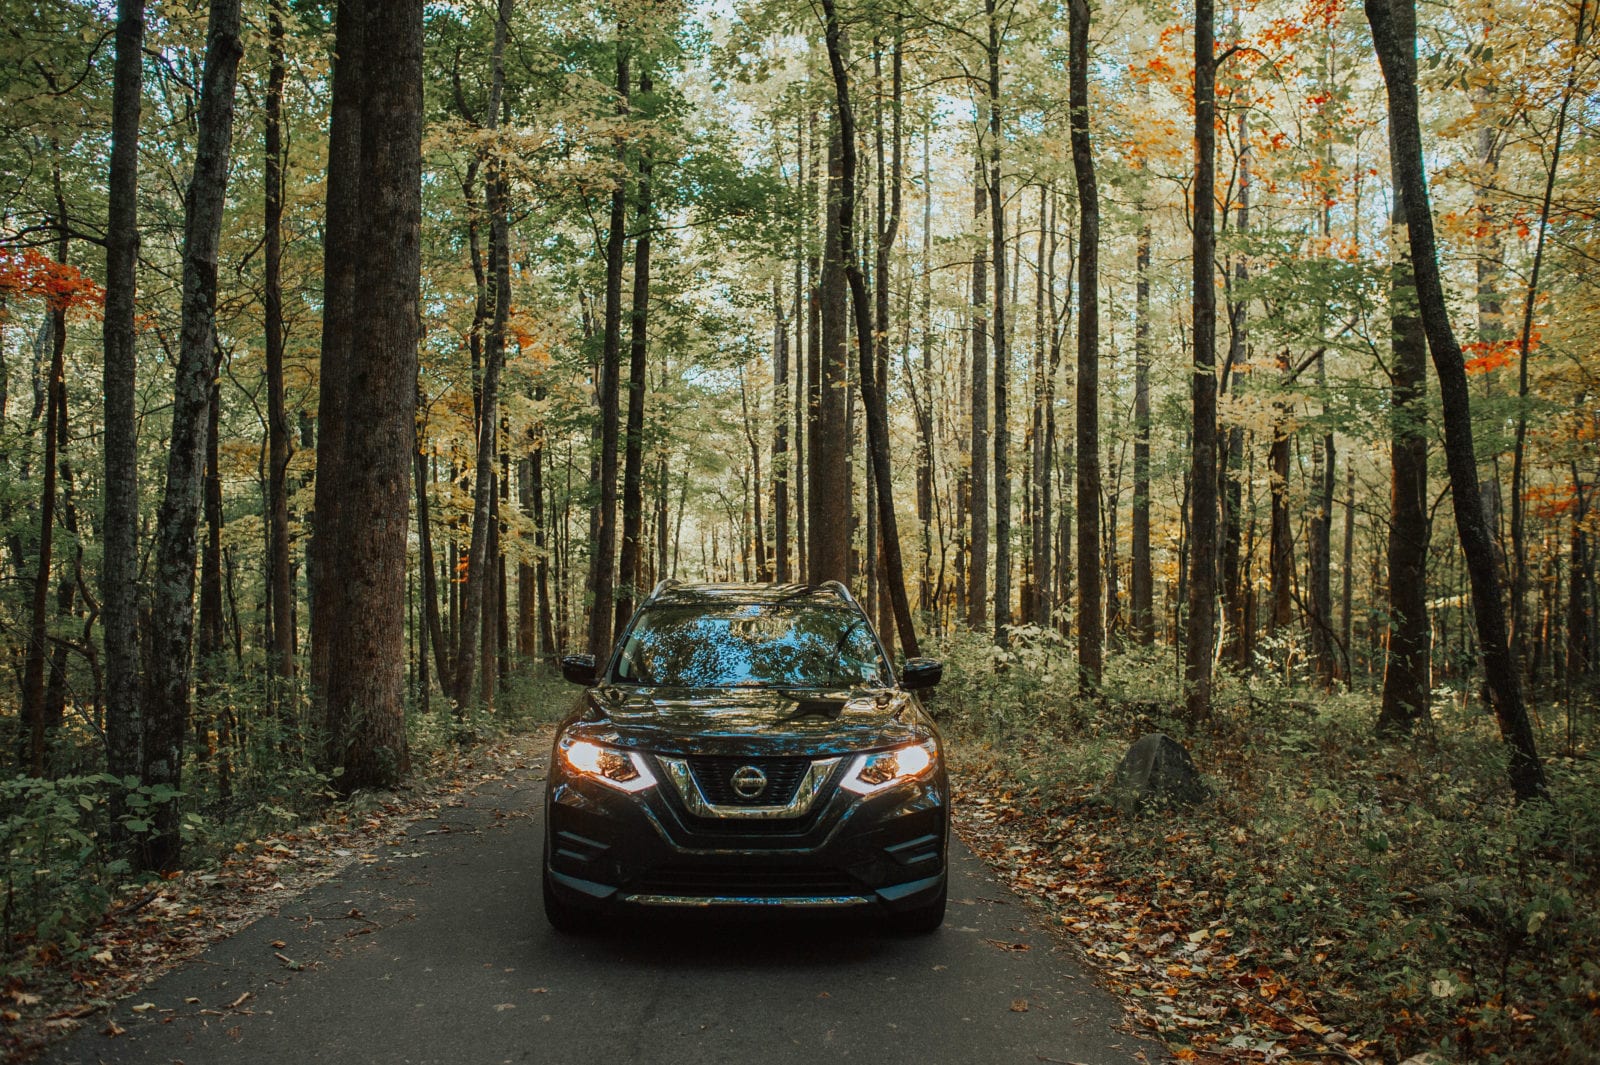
{"type": "Point", "coordinates": [623, 770]}
{"type": "Point", "coordinates": [873, 772]}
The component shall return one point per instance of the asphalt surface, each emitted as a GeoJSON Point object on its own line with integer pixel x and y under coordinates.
{"type": "Point", "coordinates": [438, 952]}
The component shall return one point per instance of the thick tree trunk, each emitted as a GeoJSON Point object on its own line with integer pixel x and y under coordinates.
{"type": "Point", "coordinates": [1394, 32]}
{"type": "Point", "coordinates": [166, 714]}
{"type": "Point", "coordinates": [343, 247]}
{"type": "Point", "coordinates": [830, 470]}
{"type": "Point", "coordinates": [280, 571]}
{"type": "Point", "coordinates": [366, 662]}
{"type": "Point", "coordinates": [33, 672]}
{"type": "Point", "coordinates": [860, 298]}
{"type": "Point", "coordinates": [119, 535]}
{"type": "Point", "coordinates": [602, 563]}
{"type": "Point", "coordinates": [1141, 579]}
{"type": "Point", "coordinates": [1200, 631]}
{"type": "Point", "coordinates": [1091, 633]}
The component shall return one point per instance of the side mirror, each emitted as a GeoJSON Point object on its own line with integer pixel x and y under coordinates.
{"type": "Point", "coordinates": [579, 669]}
{"type": "Point", "coordinates": [920, 673]}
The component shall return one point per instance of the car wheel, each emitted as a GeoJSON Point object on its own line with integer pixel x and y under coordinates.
{"type": "Point", "coordinates": [925, 918]}
{"type": "Point", "coordinates": [563, 916]}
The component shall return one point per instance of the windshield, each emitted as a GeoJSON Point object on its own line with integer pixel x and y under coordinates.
{"type": "Point", "coordinates": [751, 645]}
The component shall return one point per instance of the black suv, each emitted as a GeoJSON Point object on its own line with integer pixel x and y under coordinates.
{"type": "Point", "coordinates": [747, 746]}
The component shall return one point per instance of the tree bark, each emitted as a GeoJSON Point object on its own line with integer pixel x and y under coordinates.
{"type": "Point", "coordinates": [860, 298]}
{"type": "Point", "coordinates": [476, 601]}
{"type": "Point", "coordinates": [166, 714]}
{"type": "Point", "coordinates": [630, 574]}
{"type": "Point", "coordinates": [1200, 631]}
{"type": "Point", "coordinates": [1002, 426]}
{"type": "Point", "coordinates": [119, 536]}
{"type": "Point", "coordinates": [602, 564]}
{"type": "Point", "coordinates": [1393, 25]}
{"type": "Point", "coordinates": [830, 472]}
{"type": "Point", "coordinates": [1141, 579]}
{"type": "Point", "coordinates": [978, 454]}
{"type": "Point", "coordinates": [1091, 633]}
{"type": "Point", "coordinates": [366, 662]}
{"type": "Point", "coordinates": [280, 572]}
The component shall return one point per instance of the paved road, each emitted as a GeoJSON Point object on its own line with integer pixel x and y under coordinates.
{"type": "Point", "coordinates": [450, 961]}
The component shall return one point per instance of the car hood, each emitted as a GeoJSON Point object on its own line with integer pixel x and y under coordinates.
{"type": "Point", "coordinates": [751, 723]}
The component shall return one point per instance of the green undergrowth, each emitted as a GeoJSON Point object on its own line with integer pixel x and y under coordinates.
{"type": "Point", "coordinates": [246, 778]}
{"type": "Point", "coordinates": [1396, 887]}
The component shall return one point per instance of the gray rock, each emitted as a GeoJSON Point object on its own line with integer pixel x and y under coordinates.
{"type": "Point", "coordinates": [1158, 771]}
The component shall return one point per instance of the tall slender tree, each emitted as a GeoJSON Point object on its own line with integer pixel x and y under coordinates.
{"type": "Point", "coordinates": [1091, 633]}
{"type": "Point", "coordinates": [1394, 33]}
{"type": "Point", "coordinates": [166, 713]}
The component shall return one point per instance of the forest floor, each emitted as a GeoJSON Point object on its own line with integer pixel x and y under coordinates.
{"type": "Point", "coordinates": [1339, 900]}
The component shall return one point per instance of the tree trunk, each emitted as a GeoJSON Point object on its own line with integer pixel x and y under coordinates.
{"type": "Point", "coordinates": [1002, 427]}
{"type": "Point", "coordinates": [978, 456]}
{"type": "Point", "coordinates": [1406, 676]}
{"type": "Point", "coordinates": [872, 401]}
{"type": "Point", "coordinates": [780, 437]}
{"type": "Point", "coordinates": [630, 568]}
{"type": "Point", "coordinates": [166, 714]}
{"type": "Point", "coordinates": [476, 601]}
{"type": "Point", "coordinates": [1200, 632]}
{"type": "Point", "coordinates": [366, 660]}
{"type": "Point", "coordinates": [1142, 590]}
{"type": "Point", "coordinates": [280, 572]}
{"type": "Point", "coordinates": [602, 571]}
{"type": "Point", "coordinates": [831, 506]}
{"type": "Point", "coordinates": [343, 248]}
{"type": "Point", "coordinates": [119, 535]}
{"type": "Point", "coordinates": [1394, 32]}
{"type": "Point", "coordinates": [1090, 625]}
{"type": "Point", "coordinates": [33, 672]}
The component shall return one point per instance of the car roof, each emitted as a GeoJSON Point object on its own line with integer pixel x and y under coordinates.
{"type": "Point", "coordinates": [674, 593]}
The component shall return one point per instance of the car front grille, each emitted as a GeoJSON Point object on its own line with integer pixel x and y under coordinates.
{"type": "Point", "coordinates": [714, 774]}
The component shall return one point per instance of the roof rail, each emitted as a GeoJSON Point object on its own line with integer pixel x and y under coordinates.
{"type": "Point", "coordinates": [661, 586]}
{"type": "Point", "coordinates": [839, 589]}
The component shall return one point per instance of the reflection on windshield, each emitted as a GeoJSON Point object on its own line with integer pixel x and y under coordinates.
{"type": "Point", "coordinates": [751, 645]}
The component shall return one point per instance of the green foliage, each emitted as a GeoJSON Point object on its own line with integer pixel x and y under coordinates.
{"type": "Point", "coordinates": [1396, 891]}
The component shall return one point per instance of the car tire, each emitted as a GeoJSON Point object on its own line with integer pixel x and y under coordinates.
{"type": "Point", "coordinates": [928, 917]}
{"type": "Point", "coordinates": [563, 916]}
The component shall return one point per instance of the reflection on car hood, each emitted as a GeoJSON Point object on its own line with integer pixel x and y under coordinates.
{"type": "Point", "coordinates": [752, 723]}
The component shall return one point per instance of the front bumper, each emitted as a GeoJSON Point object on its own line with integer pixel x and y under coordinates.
{"type": "Point", "coordinates": [605, 848]}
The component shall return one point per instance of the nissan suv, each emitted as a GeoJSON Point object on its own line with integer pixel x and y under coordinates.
{"type": "Point", "coordinates": [747, 746]}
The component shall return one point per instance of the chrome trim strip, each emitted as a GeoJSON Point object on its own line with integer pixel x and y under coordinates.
{"type": "Point", "coordinates": [786, 901]}
{"type": "Point", "coordinates": [805, 794]}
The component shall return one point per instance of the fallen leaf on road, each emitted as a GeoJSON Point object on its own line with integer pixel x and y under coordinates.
{"type": "Point", "coordinates": [112, 1028]}
{"type": "Point", "coordinates": [503, 1006]}
{"type": "Point", "coordinates": [1019, 1006]}
{"type": "Point", "coordinates": [1003, 945]}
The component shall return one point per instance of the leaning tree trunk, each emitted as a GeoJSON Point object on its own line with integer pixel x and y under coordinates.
{"type": "Point", "coordinates": [166, 714]}
{"type": "Point", "coordinates": [1394, 32]}
{"type": "Point", "coordinates": [1091, 634]}
{"type": "Point", "coordinates": [861, 300]}
{"type": "Point", "coordinates": [365, 697]}
{"type": "Point", "coordinates": [119, 534]}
